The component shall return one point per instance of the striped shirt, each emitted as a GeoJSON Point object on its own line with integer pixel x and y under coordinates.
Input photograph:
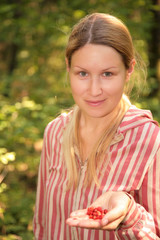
{"type": "Point", "coordinates": [134, 155]}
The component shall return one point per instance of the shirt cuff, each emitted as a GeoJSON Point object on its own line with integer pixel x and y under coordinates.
{"type": "Point", "coordinates": [133, 214]}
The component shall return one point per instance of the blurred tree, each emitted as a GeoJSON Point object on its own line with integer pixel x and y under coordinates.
{"type": "Point", "coordinates": [154, 49]}
{"type": "Point", "coordinates": [34, 88]}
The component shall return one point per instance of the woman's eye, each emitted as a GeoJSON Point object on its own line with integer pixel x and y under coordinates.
{"type": "Point", "coordinates": [107, 74]}
{"type": "Point", "coordinates": [83, 74]}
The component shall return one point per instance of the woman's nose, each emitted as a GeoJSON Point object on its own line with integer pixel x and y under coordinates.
{"type": "Point", "coordinates": [95, 86]}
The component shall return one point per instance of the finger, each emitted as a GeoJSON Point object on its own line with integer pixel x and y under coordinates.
{"type": "Point", "coordinates": [84, 223]}
{"type": "Point", "coordinates": [113, 215]}
{"type": "Point", "coordinates": [78, 213]}
{"type": "Point", "coordinates": [112, 225]}
{"type": "Point", "coordinates": [90, 224]}
{"type": "Point", "coordinates": [112, 219]}
{"type": "Point", "coordinates": [76, 217]}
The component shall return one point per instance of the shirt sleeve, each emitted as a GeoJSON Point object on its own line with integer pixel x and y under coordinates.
{"type": "Point", "coordinates": [143, 218]}
{"type": "Point", "coordinates": [39, 213]}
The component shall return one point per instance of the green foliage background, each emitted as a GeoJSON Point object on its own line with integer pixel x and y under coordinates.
{"type": "Point", "coordinates": [34, 88]}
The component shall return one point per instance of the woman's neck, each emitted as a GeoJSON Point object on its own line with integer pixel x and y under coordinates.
{"type": "Point", "coordinates": [97, 125]}
{"type": "Point", "coordinates": [90, 131]}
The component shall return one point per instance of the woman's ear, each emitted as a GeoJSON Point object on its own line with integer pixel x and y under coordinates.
{"type": "Point", "coordinates": [130, 69]}
{"type": "Point", "coordinates": [67, 65]}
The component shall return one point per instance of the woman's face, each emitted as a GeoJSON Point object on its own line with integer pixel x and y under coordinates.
{"type": "Point", "coordinates": [97, 77]}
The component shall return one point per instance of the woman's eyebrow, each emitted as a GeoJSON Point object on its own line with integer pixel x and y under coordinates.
{"type": "Point", "coordinates": [110, 67]}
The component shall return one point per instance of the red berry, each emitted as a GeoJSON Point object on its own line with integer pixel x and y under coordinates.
{"type": "Point", "coordinates": [96, 213]}
{"type": "Point", "coordinates": [99, 209]}
{"type": "Point", "coordinates": [105, 211]}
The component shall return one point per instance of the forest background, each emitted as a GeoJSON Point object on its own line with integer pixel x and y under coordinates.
{"type": "Point", "coordinates": [34, 87]}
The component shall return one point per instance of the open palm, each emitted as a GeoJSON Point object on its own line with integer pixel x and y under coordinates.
{"type": "Point", "coordinates": [115, 202]}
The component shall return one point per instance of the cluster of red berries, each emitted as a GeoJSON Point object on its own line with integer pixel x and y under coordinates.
{"type": "Point", "coordinates": [96, 213]}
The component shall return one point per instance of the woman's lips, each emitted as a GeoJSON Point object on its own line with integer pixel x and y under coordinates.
{"type": "Point", "coordinates": [94, 103]}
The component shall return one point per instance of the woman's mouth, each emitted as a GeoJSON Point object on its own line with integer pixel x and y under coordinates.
{"type": "Point", "coordinates": [95, 103]}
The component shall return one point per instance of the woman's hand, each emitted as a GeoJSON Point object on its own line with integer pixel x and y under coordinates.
{"type": "Point", "coordinates": [115, 202]}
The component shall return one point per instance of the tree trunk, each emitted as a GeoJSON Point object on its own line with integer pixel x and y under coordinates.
{"type": "Point", "coordinates": [154, 47]}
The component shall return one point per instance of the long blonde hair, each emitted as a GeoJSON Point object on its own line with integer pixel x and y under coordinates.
{"type": "Point", "coordinates": [70, 139]}
{"type": "Point", "coordinates": [103, 29]}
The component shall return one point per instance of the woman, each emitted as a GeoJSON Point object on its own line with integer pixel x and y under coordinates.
{"type": "Point", "coordinates": [103, 153]}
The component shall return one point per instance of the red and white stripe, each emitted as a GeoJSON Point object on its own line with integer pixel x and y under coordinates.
{"type": "Point", "coordinates": [134, 157]}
